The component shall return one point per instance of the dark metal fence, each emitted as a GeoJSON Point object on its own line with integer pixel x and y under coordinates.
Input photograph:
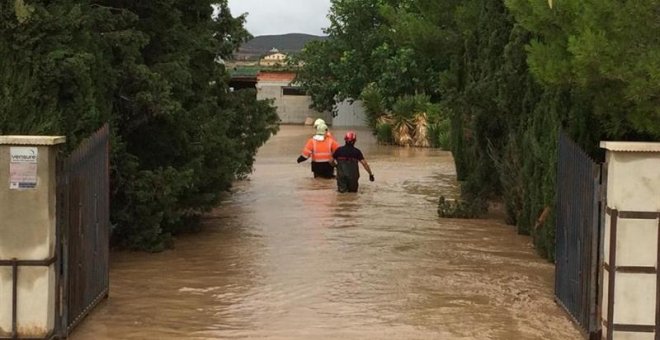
{"type": "Point", "coordinates": [578, 235]}
{"type": "Point", "coordinates": [83, 223]}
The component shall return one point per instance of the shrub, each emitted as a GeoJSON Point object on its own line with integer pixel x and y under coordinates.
{"type": "Point", "coordinates": [384, 133]}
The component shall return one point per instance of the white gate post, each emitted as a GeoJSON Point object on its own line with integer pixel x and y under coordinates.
{"type": "Point", "coordinates": [630, 301]}
{"type": "Point", "coordinates": [27, 235]}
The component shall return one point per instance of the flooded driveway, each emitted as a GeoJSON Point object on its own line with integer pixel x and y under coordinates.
{"type": "Point", "coordinates": [287, 257]}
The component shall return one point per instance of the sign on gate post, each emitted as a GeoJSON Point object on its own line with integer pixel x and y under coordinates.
{"type": "Point", "coordinates": [23, 167]}
{"type": "Point", "coordinates": [27, 236]}
{"type": "Point", "coordinates": [631, 241]}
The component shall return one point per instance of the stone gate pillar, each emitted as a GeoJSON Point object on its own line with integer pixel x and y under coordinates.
{"type": "Point", "coordinates": [630, 304]}
{"type": "Point", "coordinates": [27, 235]}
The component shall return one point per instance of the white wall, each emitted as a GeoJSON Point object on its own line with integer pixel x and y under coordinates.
{"type": "Point", "coordinates": [350, 114]}
{"type": "Point", "coordinates": [290, 109]}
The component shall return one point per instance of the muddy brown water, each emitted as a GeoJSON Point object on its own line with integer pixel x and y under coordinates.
{"type": "Point", "coordinates": [287, 257]}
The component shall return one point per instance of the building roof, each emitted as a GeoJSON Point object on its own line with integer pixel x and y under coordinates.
{"type": "Point", "coordinates": [244, 72]}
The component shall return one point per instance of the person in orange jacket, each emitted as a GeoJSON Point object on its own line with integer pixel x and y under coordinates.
{"type": "Point", "coordinates": [320, 148]}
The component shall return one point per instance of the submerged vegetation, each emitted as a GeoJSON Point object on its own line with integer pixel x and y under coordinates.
{"type": "Point", "coordinates": [412, 121]}
{"type": "Point", "coordinates": [502, 77]}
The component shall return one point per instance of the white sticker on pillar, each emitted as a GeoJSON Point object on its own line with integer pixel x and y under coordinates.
{"type": "Point", "coordinates": [23, 168]}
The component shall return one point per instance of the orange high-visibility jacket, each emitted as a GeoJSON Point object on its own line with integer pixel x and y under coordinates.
{"type": "Point", "coordinates": [320, 151]}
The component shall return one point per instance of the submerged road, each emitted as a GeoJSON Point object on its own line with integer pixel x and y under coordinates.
{"type": "Point", "coordinates": [287, 257]}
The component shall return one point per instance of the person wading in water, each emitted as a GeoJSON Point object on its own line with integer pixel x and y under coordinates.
{"type": "Point", "coordinates": [346, 158]}
{"type": "Point", "coordinates": [320, 149]}
{"type": "Point", "coordinates": [320, 122]}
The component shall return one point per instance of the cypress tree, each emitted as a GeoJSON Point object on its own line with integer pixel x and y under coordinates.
{"type": "Point", "coordinates": [151, 70]}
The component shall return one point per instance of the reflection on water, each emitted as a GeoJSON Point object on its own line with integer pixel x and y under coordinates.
{"type": "Point", "coordinates": [287, 257]}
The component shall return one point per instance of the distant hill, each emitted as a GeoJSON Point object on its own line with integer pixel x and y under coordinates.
{"type": "Point", "coordinates": [287, 43]}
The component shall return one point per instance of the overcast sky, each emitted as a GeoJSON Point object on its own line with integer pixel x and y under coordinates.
{"type": "Point", "coordinates": [282, 16]}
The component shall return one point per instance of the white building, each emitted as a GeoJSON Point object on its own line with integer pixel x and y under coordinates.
{"type": "Point", "coordinates": [274, 58]}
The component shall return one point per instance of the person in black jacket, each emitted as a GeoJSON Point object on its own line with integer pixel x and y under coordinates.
{"type": "Point", "coordinates": [346, 159]}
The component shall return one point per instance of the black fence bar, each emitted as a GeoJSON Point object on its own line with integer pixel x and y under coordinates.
{"type": "Point", "coordinates": [614, 218]}
{"type": "Point", "coordinates": [28, 263]}
{"type": "Point", "coordinates": [14, 299]}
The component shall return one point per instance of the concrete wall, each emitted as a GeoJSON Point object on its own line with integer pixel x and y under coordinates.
{"type": "Point", "coordinates": [27, 232]}
{"type": "Point", "coordinates": [631, 235]}
{"type": "Point", "coordinates": [291, 109]}
{"type": "Point", "coordinates": [350, 114]}
{"type": "Point", "coordinates": [294, 109]}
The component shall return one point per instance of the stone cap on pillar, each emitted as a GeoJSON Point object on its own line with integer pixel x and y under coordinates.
{"type": "Point", "coordinates": [32, 140]}
{"type": "Point", "coordinates": [630, 146]}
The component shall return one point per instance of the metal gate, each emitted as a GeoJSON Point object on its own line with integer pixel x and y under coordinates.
{"type": "Point", "coordinates": [578, 235]}
{"type": "Point", "coordinates": [83, 224]}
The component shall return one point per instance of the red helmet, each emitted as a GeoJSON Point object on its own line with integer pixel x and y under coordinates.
{"type": "Point", "coordinates": [350, 136]}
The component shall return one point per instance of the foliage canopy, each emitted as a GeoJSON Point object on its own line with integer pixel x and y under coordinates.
{"type": "Point", "coordinates": [151, 70]}
{"type": "Point", "coordinates": [510, 72]}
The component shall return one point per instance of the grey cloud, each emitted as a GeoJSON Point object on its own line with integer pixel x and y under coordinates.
{"type": "Point", "coordinates": [283, 16]}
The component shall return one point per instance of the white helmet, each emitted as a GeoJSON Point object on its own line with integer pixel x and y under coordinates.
{"type": "Point", "coordinates": [319, 122]}
{"type": "Point", "coordinates": [321, 129]}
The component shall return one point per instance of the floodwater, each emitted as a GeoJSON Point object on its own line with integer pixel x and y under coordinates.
{"type": "Point", "coordinates": [287, 257]}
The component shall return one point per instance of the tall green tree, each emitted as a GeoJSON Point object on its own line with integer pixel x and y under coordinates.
{"type": "Point", "coordinates": [341, 66]}
{"type": "Point", "coordinates": [50, 64]}
{"type": "Point", "coordinates": [609, 49]}
{"type": "Point", "coordinates": [152, 70]}
{"type": "Point", "coordinates": [512, 73]}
